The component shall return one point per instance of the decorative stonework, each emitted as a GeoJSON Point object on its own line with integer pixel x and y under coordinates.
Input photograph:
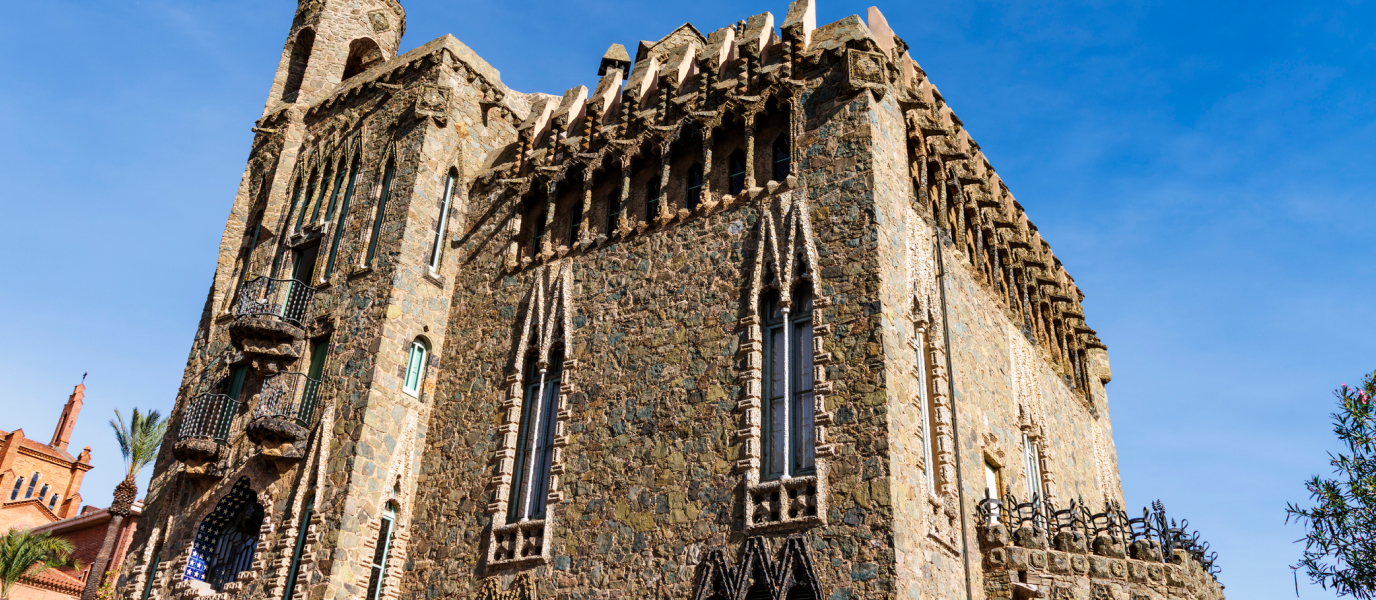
{"type": "Point", "coordinates": [547, 324]}
{"type": "Point", "coordinates": [758, 574]}
{"type": "Point", "coordinates": [522, 588]}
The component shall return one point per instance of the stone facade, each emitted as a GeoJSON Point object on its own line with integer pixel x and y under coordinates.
{"type": "Point", "coordinates": [752, 318]}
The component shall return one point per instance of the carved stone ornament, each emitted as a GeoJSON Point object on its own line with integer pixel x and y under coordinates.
{"type": "Point", "coordinates": [378, 19]}
{"type": "Point", "coordinates": [434, 103]}
{"type": "Point", "coordinates": [522, 588]}
{"type": "Point", "coordinates": [864, 69]}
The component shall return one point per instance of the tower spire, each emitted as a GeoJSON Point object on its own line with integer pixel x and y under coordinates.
{"type": "Point", "coordinates": [63, 433]}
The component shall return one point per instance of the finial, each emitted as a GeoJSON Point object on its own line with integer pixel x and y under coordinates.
{"type": "Point", "coordinates": [83, 378]}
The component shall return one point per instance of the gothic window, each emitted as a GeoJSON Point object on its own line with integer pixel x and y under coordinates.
{"type": "Point", "coordinates": [343, 214]}
{"type": "Point", "coordinates": [303, 528]}
{"type": "Point", "coordinates": [32, 482]}
{"type": "Point", "coordinates": [18, 485]}
{"type": "Point", "coordinates": [415, 367]}
{"type": "Point", "coordinates": [378, 567]}
{"type": "Point", "coordinates": [226, 538]}
{"type": "Point", "coordinates": [735, 173]}
{"type": "Point", "coordinates": [152, 573]}
{"type": "Point", "coordinates": [694, 194]}
{"type": "Point", "coordinates": [324, 189]}
{"type": "Point", "coordinates": [782, 159]}
{"type": "Point", "coordinates": [306, 204]}
{"type": "Point", "coordinates": [381, 210]}
{"type": "Point", "coordinates": [928, 415]}
{"type": "Point", "coordinates": [788, 399]}
{"type": "Point", "coordinates": [339, 174]}
{"type": "Point", "coordinates": [43, 493]}
{"type": "Point", "coordinates": [442, 221]}
{"type": "Point", "coordinates": [652, 200]}
{"type": "Point", "coordinates": [535, 443]}
{"type": "Point", "coordinates": [296, 65]}
{"type": "Point", "coordinates": [1032, 467]}
{"type": "Point", "coordinates": [52, 502]}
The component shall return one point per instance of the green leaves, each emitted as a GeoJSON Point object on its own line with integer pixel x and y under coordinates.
{"type": "Point", "coordinates": [25, 554]}
{"type": "Point", "coordinates": [139, 440]}
{"type": "Point", "coordinates": [1340, 546]}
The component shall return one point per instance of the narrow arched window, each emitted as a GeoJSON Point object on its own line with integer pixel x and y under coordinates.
{"type": "Point", "coordinates": [736, 172]}
{"type": "Point", "coordinates": [339, 174]}
{"type": "Point", "coordinates": [296, 65]}
{"type": "Point", "coordinates": [789, 431]}
{"type": "Point", "coordinates": [303, 529]}
{"type": "Point", "coordinates": [652, 200]}
{"type": "Point", "coordinates": [1032, 467]}
{"type": "Point", "coordinates": [415, 368]}
{"type": "Point", "coordinates": [319, 202]}
{"type": "Point", "coordinates": [613, 211]}
{"type": "Point", "coordinates": [928, 416]}
{"type": "Point", "coordinates": [694, 194]}
{"type": "Point", "coordinates": [381, 211]}
{"type": "Point", "coordinates": [43, 493]}
{"type": "Point", "coordinates": [343, 215]}
{"type": "Point", "coordinates": [536, 438]}
{"type": "Point", "coordinates": [442, 220]}
{"type": "Point", "coordinates": [33, 481]}
{"type": "Point", "coordinates": [363, 53]}
{"type": "Point", "coordinates": [378, 568]}
{"type": "Point", "coordinates": [52, 502]}
{"type": "Point", "coordinates": [152, 573]}
{"type": "Point", "coordinates": [18, 485]}
{"type": "Point", "coordinates": [575, 222]}
{"type": "Point", "coordinates": [782, 158]}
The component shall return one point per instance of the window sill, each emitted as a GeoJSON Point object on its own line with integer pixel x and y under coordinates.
{"type": "Point", "coordinates": [360, 272]}
{"type": "Point", "coordinates": [518, 544]}
{"type": "Point", "coordinates": [785, 504]}
{"type": "Point", "coordinates": [434, 278]}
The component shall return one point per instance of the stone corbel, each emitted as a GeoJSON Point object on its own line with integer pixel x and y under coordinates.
{"type": "Point", "coordinates": [433, 103]}
{"type": "Point", "coordinates": [866, 70]}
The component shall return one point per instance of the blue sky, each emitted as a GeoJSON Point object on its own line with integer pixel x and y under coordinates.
{"type": "Point", "coordinates": [1204, 170]}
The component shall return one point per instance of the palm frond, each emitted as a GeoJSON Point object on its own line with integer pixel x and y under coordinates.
{"type": "Point", "coordinates": [140, 439]}
{"type": "Point", "coordinates": [25, 554]}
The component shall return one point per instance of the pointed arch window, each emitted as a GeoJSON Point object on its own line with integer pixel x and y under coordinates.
{"type": "Point", "coordinates": [33, 481]}
{"type": "Point", "coordinates": [415, 367]}
{"type": "Point", "coordinates": [296, 65]}
{"type": "Point", "coordinates": [694, 193]}
{"type": "Point", "coordinates": [788, 427]}
{"type": "Point", "coordinates": [343, 215]}
{"type": "Point", "coordinates": [339, 174]}
{"type": "Point", "coordinates": [783, 162]}
{"type": "Point", "coordinates": [652, 200]}
{"type": "Point", "coordinates": [735, 173]}
{"type": "Point", "coordinates": [18, 485]}
{"type": "Point", "coordinates": [303, 529]}
{"type": "Point", "coordinates": [378, 568]}
{"type": "Point", "coordinates": [43, 493]}
{"type": "Point", "coordinates": [442, 220]}
{"type": "Point", "coordinates": [52, 502]}
{"type": "Point", "coordinates": [387, 177]}
{"type": "Point", "coordinates": [306, 205]}
{"type": "Point", "coordinates": [227, 538]}
{"type": "Point", "coordinates": [535, 441]}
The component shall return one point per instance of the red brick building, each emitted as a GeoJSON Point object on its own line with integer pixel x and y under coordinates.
{"type": "Point", "coordinates": [41, 483]}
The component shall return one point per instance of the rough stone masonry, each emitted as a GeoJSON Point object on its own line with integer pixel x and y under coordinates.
{"type": "Point", "coordinates": [752, 318]}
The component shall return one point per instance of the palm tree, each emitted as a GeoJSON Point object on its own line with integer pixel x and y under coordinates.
{"type": "Point", "coordinates": [24, 554]}
{"type": "Point", "coordinates": [138, 442]}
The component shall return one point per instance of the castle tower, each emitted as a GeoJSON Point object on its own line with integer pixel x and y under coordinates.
{"type": "Point", "coordinates": [331, 41]}
{"type": "Point", "coordinates": [62, 434]}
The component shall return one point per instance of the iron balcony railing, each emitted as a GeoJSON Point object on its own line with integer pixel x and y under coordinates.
{"type": "Point", "coordinates": [286, 299]}
{"type": "Point", "coordinates": [208, 416]}
{"type": "Point", "coordinates": [289, 396]}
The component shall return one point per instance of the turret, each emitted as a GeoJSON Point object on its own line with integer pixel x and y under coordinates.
{"type": "Point", "coordinates": [331, 41]}
{"type": "Point", "coordinates": [62, 434]}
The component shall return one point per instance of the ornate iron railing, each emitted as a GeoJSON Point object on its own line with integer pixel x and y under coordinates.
{"type": "Point", "coordinates": [286, 299]}
{"type": "Point", "coordinates": [289, 396]}
{"type": "Point", "coordinates": [1150, 537]}
{"type": "Point", "coordinates": [208, 416]}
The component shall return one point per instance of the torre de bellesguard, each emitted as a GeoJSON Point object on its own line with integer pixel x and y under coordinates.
{"type": "Point", "coordinates": [752, 318]}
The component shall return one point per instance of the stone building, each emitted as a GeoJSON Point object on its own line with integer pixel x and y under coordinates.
{"type": "Point", "coordinates": [751, 318]}
{"type": "Point", "coordinates": [41, 483]}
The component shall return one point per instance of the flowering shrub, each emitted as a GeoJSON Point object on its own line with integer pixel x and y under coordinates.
{"type": "Point", "coordinates": [1340, 545]}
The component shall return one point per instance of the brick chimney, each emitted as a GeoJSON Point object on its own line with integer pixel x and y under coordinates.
{"type": "Point", "coordinates": [63, 434]}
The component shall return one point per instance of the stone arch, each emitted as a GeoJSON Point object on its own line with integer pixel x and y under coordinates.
{"type": "Point", "coordinates": [296, 66]}
{"type": "Point", "coordinates": [363, 54]}
{"type": "Point", "coordinates": [227, 538]}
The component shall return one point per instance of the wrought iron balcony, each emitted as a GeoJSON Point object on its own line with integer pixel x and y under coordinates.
{"type": "Point", "coordinates": [289, 396]}
{"type": "Point", "coordinates": [286, 410]}
{"type": "Point", "coordinates": [285, 299]}
{"type": "Point", "coordinates": [207, 417]}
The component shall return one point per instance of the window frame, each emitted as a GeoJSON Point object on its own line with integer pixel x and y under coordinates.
{"type": "Point", "coordinates": [343, 217]}
{"type": "Point", "coordinates": [692, 195]}
{"type": "Point", "coordinates": [442, 223]}
{"type": "Point", "coordinates": [386, 531]}
{"type": "Point", "coordinates": [796, 443]}
{"type": "Point", "coordinates": [782, 143]}
{"type": "Point", "coordinates": [535, 440]}
{"type": "Point", "coordinates": [33, 482]}
{"type": "Point", "coordinates": [412, 367]}
{"type": "Point", "coordinates": [388, 175]}
{"type": "Point", "coordinates": [735, 180]}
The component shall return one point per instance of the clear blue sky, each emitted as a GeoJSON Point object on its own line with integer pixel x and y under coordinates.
{"type": "Point", "coordinates": [1204, 169]}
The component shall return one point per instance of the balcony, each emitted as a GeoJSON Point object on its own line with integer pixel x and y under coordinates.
{"type": "Point", "coordinates": [286, 410]}
{"type": "Point", "coordinates": [205, 428]}
{"type": "Point", "coordinates": [270, 316]}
